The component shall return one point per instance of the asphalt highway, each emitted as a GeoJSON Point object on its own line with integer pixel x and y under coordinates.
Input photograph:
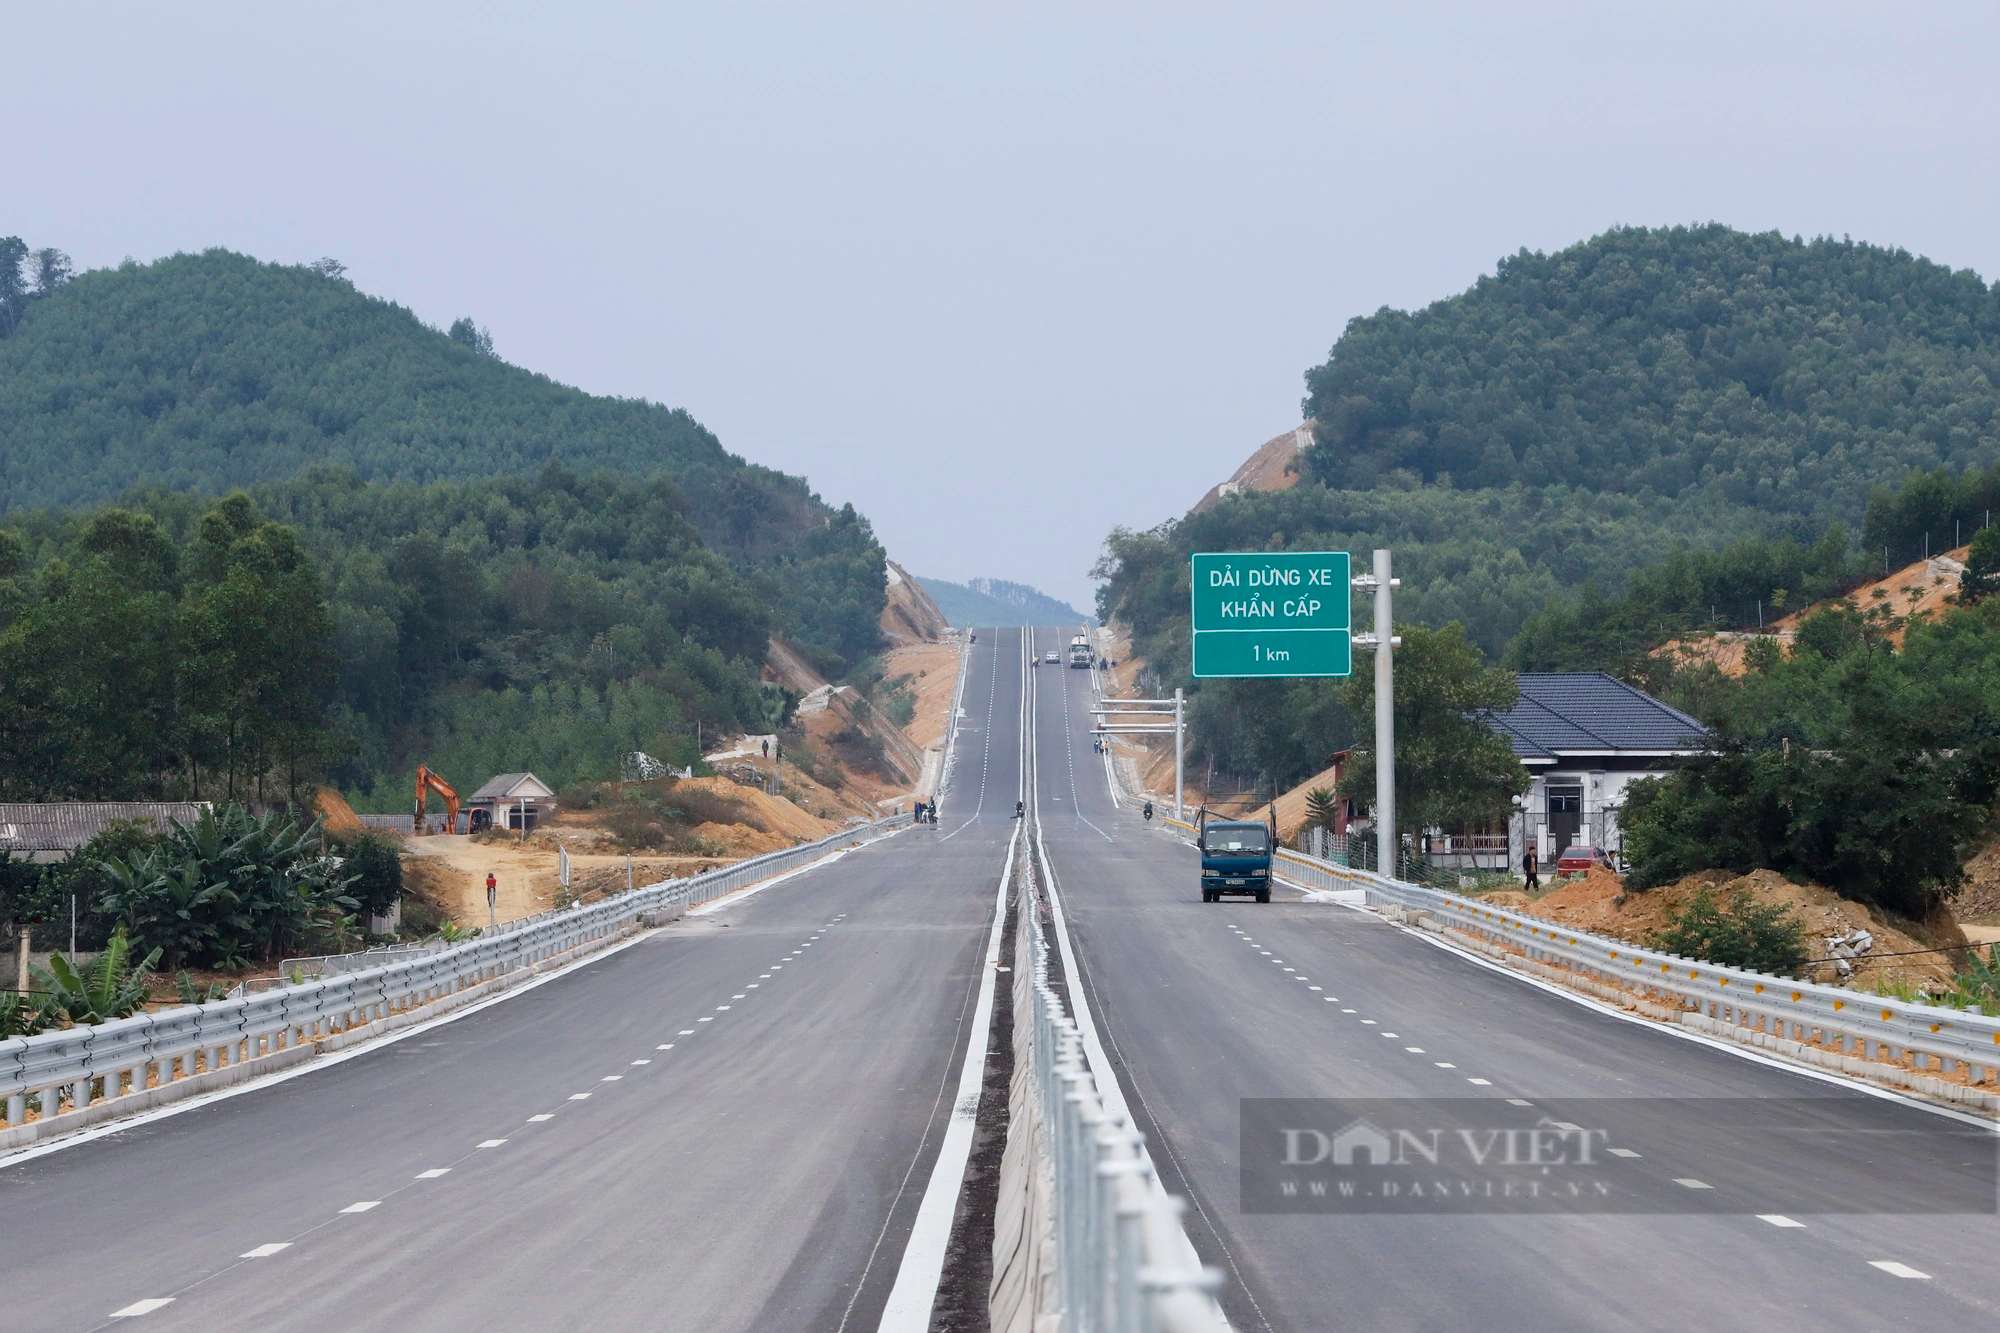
{"type": "Point", "coordinates": [1744, 1214]}
{"type": "Point", "coordinates": [726, 1125]}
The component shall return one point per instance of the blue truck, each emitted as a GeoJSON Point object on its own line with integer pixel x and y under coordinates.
{"type": "Point", "coordinates": [1235, 857]}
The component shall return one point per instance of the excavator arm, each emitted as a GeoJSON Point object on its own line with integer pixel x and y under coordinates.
{"type": "Point", "coordinates": [428, 782]}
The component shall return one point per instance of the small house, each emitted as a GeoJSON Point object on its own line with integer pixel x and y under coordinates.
{"type": "Point", "coordinates": [1584, 737]}
{"type": "Point", "coordinates": [48, 831]}
{"type": "Point", "coordinates": [515, 801]}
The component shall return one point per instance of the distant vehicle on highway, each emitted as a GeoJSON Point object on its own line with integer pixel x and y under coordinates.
{"type": "Point", "coordinates": [1052, 657]}
{"type": "Point", "coordinates": [1576, 860]}
{"type": "Point", "coordinates": [1080, 654]}
{"type": "Point", "coordinates": [1235, 858]}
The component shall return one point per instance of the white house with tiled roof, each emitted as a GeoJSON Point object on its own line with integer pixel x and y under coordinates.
{"type": "Point", "coordinates": [1584, 737]}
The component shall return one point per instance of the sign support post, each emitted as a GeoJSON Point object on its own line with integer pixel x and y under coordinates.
{"type": "Point", "coordinates": [1383, 641]}
{"type": "Point", "coordinates": [1180, 730]}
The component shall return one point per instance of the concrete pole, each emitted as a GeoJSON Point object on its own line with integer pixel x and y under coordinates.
{"type": "Point", "coordinates": [1385, 721]}
{"type": "Point", "coordinates": [1180, 731]}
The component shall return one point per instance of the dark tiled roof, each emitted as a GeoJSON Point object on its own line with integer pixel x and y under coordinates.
{"type": "Point", "coordinates": [502, 785]}
{"type": "Point", "coordinates": [60, 826]}
{"type": "Point", "coordinates": [1588, 712]}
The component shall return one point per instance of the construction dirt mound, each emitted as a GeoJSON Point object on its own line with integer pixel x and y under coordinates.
{"type": "Point", "coordinates": [1904, 952]}
{"type": "Point", "coordinates": [335, 814]}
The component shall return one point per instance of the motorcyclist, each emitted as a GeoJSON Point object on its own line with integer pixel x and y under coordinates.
{"type": "Point", "coordinates": [1020, 809]}
{"type": "Point", "coordinates": [1149, 810]}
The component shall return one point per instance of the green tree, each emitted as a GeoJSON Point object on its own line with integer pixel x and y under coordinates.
{"type": "Point", "coordinates": [467, 334]}
{"type": "Point", "coordinates": [1982, 567]}
{"type": "Point", "coordinates": [13, 285]}
{"type": "Point", "coordinates": [1453, 771]}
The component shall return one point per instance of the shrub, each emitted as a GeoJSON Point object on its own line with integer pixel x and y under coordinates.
{"type": "Point", "coordinates": [375, 864]}
{"type": "Point", "coordinates": [1762, 937]}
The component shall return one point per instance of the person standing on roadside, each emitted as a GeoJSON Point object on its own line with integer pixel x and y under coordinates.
{"type": "Point", "coordinates": [1528, 870]}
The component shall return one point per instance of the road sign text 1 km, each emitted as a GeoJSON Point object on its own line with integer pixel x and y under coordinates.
{"type": "Point", "coordinates": [1266, 613]}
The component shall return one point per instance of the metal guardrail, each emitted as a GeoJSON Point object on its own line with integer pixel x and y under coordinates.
{"type": "Point", "coordinates": [1124, 1264]}
{"type": "Point", "coordinates": [81, 1065]}
{"type": "Point", "coordinates": [1930, 1037]}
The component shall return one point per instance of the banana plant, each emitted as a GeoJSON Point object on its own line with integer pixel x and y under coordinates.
{"type": "Point", "coordinates": [20, 1016]}
{"type": "Point", "coordinates": [109, 986]}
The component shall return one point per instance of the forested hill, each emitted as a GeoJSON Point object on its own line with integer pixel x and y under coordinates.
{"type": "Point", "coordinates": [1574, 417]}
{"type": "Point", "coordinates": [1783, 375]}
{"type": "Point", "coordinates": [210, 371]}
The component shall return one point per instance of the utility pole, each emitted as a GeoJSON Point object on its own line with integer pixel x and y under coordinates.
{"type": "Point", "coordinates": [1383, 641]}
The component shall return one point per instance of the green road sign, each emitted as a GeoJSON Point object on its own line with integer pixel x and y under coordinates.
{"type": "Point", "coordinates": [1271, 613]}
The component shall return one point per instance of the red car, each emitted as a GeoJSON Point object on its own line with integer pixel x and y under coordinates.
{"type": "Point", "coordinates": [1576, 860]}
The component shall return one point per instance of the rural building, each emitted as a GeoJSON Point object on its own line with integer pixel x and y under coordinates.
{"type": "Point", "coordinates": [1584, 737]}
{"type": "Point", "coordinates": [48, 831]}
{"type": "Point", "coordinates": [513, 800]}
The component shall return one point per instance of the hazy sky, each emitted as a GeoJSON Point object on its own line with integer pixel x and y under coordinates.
{"type": "Point", "coordinates": [1002, 275]}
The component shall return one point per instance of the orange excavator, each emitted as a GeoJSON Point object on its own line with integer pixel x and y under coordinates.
{"type": "Point", "coordinates": [428, 782]}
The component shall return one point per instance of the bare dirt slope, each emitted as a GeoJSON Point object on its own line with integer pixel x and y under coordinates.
{"type": "Point", "coordinates": [911, 616]}
{"type": "Point", "coordinates": [1924, 588]}
{"type": "Point", "coordinates": [335, 814]}
{"type": "Point", "coordinates": [1598, 902]}
{"type": "Point", "coordinates": [1274, 467]}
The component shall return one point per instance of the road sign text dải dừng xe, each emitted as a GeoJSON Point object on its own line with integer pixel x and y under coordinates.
{"type": "Point", "coordinates": [1271, 613]}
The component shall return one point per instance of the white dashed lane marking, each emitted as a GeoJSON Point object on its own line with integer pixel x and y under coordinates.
{"type": "Point", "coordinates": [142, 1307]}
{"type": "Point", "coordinates": [1895, 1269]}
{"type": "Point", "coordinates": [363, 1206]}
{"type": "Point", "coordinates": [1689, 1182]}
{"type": "Point", "coordinates": [1778, 1220]}
{"type": "Point", "coordinates": [266, 1251]}
{"type": "Point", "coordinates": [537, 1119]}
{"type": "Point", "coordinates": [434, 1173]}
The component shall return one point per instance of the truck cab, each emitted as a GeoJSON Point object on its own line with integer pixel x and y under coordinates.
{"type": "Point", "coordinates": [1235, 858]}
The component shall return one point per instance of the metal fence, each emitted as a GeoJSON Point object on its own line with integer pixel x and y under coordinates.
{"type": "Point", "coordinates": [1124, 1263]}
{"type": "Point", "coordinates": [1923, 1037]}
{"type": "Point", "coordinates": [82, 1065]}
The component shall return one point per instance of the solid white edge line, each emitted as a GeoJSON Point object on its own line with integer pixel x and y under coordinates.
{"type": "Point", "coordinates": [1687, 1034]}
{"type": "Point", "coordinates": [909, 1306]}
{"type": "Point", "coordinates": [331, 1058]}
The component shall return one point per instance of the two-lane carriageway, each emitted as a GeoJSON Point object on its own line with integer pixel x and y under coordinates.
{"type": "Point", "coordinates": [727, 1124]}
{"type": "Point", "coordinates": [1201, 1006]}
